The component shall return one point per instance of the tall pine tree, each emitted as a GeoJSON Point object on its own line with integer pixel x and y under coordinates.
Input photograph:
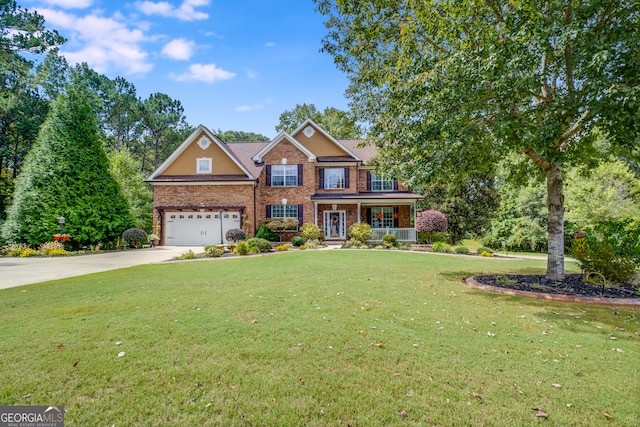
{"type": "Point", "coordinates": [67, 174]}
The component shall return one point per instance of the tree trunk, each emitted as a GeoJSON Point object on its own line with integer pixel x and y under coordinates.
{"type": "Point", "coordinates": [555, 228]}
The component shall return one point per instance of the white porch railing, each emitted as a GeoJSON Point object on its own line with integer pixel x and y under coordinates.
{"type": "Point", "coordinates": [403, 234]}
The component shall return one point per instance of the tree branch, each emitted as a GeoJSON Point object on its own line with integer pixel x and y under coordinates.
{"type": "Point", "coordinates": [537, 160]}
{"type": "Point", "coordinates": [562, 142]}
{"type": "Point", "coordinates": [568, 52]}
{"type": "Point", "coordinates": [543, 78]}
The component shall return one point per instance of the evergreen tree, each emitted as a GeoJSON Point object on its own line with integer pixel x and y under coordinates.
{"type": "Point", "coordinates": [67, 174]}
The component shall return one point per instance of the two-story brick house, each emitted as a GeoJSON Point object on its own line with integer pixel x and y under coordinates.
{"type": "Point", "coordinates": [207, 187]}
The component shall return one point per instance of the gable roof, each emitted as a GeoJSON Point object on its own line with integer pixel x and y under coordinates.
{"type": "Point", "coordinates": [191, 139]}
{"type": "Point", "coordinates": [275, 141]}
{"type": "Point", "coordinates": [366, 153]}
{"type": "Point", "coordinates": [310, 122]}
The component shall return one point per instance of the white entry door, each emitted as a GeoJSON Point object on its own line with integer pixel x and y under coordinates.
{"type": "Point", "coordinates": [334, 225]}
{"type": "Point", "coordinates": [199, 228]}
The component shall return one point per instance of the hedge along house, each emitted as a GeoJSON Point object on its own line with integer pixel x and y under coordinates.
{"type": "Point", "coordinates": [207, 187]}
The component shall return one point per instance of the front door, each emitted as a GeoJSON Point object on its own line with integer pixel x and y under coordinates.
{"type": "Point", "coordinates": [334, 225]}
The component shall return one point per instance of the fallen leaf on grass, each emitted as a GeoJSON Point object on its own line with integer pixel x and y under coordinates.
{"type": "Point", "coordinates": [540, 413]}
{"type": "Point", "coordinates": [254, 321]}
{"type": "Point", "coordinates": [402, 413]}
{"type": "Point", "coordinates": [121, 354]}
{"type": "Point", "coordinates": [490, 334]}
{"type": "Point", "coordinates": [477, 395]}
{"type": "Point", "coordinates": [75, 364]}
{"type": "Point", "coordinates": [60, 345]}
{"type": "Point", "coordinates": [556, 385]}
{"type": "Point", "coordinates": [608, 415]}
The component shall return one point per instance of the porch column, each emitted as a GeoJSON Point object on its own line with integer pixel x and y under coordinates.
{"type": "Point", "coordinates": [315, 213]}
{"type": "Point", "coordinates": [359, 212]}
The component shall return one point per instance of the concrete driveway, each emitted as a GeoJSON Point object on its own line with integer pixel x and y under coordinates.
{"type": "Point", "coordinates": [24, 271]}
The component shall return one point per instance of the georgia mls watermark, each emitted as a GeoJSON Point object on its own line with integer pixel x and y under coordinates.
{"type": "Point", "coordinates": [31, 416]}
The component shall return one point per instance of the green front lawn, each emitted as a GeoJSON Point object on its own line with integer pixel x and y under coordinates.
{"type": "Point", "coordinates": [315, 338]}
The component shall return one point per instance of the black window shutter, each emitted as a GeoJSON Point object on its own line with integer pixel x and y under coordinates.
{"type": "Point", "coordinates": [300, 212]}
{"type": "Point", "coordinates": [268, 184]}
{"type": "Point", "coordinates": [321, 183]}
{"type": "Point", "coordinates": [395, 185]}
{"type": "Point", "coordinates": [299, 175]}
{"type": "Point", "coordinates": [368, 181]}
{"type": "Point", "coordinates": [346, 177]}
{"type": "Point", "coordinates": [395, 214]}
{"type": "Point", "coordinates": [268, 211]}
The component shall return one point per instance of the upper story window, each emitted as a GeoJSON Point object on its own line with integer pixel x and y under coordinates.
{"type": "Point", "coordinates": [203, 165]}
{"type": "Point", "coordinates": [334, 178]}
{"type": "Point", "coordinates": [379, 183]}
{"type": "Point", "coordinates": [284, 175]}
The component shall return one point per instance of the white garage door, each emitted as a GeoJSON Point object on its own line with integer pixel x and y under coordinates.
{"type": "Point", "coordinates": [199, 228]}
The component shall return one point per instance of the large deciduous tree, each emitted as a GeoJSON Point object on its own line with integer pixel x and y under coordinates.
{"type": "Point", "coordinates": [449, 85]}
{"type": "Point", "coordinates": [67, 174]}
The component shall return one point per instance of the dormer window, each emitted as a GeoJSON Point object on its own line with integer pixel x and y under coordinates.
{"type": "Point", "coordinates": [203, 165]}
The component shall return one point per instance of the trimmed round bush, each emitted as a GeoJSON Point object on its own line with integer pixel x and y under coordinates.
{"type": "Point", "coordinates": [431, 221]}
{"type": "Point", "coordinates": [390, 240]}
{"type": "Point", "coordinates": [214, 251]}
{"type": "Point", "coordinates": [262, 245]}
{"type": "Point", "coordinates": [135, 237]}
{"type": "Point", "coordinates": [360, 232]}
{"type": "Point", "coordinates": [484, 249]}
{"type": "Point", "coordinates": [242, 248]}
{"type": "Point", "coordinates": [235, 235]}
{"type": "Point", "coordinates": [462, 250]}
{"type": "Point", "coordinates": [310, 231]}
{"type": "Point", "coordinates": [297, 240]}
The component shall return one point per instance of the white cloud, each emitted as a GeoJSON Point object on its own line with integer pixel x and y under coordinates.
{"type": "Point", "coordinates": [269, 44]}
{"type": "Point", "coordinates": [253, 107]}
{"type": "Point", "coordinates": [69, 4]}
{"type": "Point", "coordinates": [185, 12]}
{"type": "Point", "coordinates": [252, 74]}
{"type": "Point", "coordinates": [179, 49]}
{"type": "Point", "coordinates": [207, 73]}
{"type": "Point", "coordinates": [105, 43]}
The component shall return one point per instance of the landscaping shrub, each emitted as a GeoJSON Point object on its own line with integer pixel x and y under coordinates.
{"type": "Point", "coordinates": [52, 249]}
{"type": "Point", "coordinates": [390, 240]}
{"type": "Point", "coordinates": [297, 241]}
{"type": "Point", "coordinates": [235, 235]}
{"type": "Point", "coordinates": [431, 222]}
{"type": "Point", "coordinates": [360, 232]}
{"type": "Point", "coordinates": [214, 251]}
{"type": "Point", "coordinates": [135, 237]}
{"type": "Point", "coordinates": [281, 224]}
{"type": "Point", "coordinates": [613, 250]}
{"type": "Point", "coordinates": [262, 245]}
{"type": "Point", "coordinates": [484, 249]}
{"type": "Point", "coordinates": [29, 252]}
{"type": "Point", "coordinates": [187, 255]}
{"type": "Point", "coordinates": [310, 231]}
{"type": "Point", "coordinates": [462, 250]}
{"type": "Point", "coordinates": [282, 248]}
{"type": "Point", "coordinates": [14, 249]}
{"type": "Point", "coordinates": [485, 253]}
{"type": "Point", "coordinates": [266, 234]}
{"type": "Point", "coordinates": [242, 248]}
{"type": "Point", "coordinates": [441, 247]}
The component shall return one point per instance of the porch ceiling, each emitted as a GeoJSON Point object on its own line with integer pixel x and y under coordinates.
{"type": "Point", "coordinates": [368, 198]}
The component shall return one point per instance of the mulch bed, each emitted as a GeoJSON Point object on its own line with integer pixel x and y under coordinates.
{"type": "Point", "coordinates": [572, 285]}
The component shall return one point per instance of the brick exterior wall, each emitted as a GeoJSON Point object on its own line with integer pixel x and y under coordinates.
{"type": "Point", "coordinates": [267, 195]}
{"type": "Point", "coordinates": [208, 195]}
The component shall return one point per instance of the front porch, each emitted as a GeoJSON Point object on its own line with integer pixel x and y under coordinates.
{"type": "Point", "coordinates": [386, 215]}
{"type": "Point", "coordinates": [405, 235]}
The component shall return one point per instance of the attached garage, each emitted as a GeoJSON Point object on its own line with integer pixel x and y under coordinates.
{"type": "Point", "coordinates": [199, 228]}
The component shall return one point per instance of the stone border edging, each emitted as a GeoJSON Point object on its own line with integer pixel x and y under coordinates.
{"type": "Point", "coordinates": [629, 302]}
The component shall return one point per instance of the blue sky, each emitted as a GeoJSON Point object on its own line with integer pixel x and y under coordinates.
{"type": "Point", "coordinates": [234, 64]}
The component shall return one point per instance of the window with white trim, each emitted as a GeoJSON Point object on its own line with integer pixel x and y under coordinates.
{"type": "Point", "coordinates": [334, 178]}
{"type": "Point", "coordinates": [284, 175]}
{"type": "Point", "coordinates": [379, 183]}
{"type": "Point", "coordinates": [284, 211]}
{"type": "Point", "coordinates": [382, 217]}
{"type": "Point", "coordinates": [203, 165]}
